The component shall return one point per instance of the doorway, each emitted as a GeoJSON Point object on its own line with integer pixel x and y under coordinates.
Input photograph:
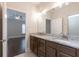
{"type": "Point", "coordinates": [15, 32]}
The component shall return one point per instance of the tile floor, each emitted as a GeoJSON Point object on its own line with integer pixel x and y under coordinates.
{"type": "Point", "coordinates": [27, 54]}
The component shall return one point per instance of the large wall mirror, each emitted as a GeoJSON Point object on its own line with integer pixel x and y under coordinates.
{"type": "Point", "coordinates": [49, 24]}
{"type": "Point", "coordinates": [73, 21]}
{"type": "Point", "coordinates": [64, 20]}
{"type": "Point", "coordinates": [53, 26]}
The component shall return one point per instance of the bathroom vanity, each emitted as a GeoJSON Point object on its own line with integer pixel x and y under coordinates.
{"type": "Point", "coordinates": [47, 46]}
{"type": "Point", "coordinates": [57, 21]}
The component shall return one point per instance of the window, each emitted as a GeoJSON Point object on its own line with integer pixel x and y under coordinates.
{"type": "Point", "coordinates": [23, 28]}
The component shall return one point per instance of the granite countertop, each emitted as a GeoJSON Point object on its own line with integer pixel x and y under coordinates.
{"type": "Point", "coordinates": [63, 41]}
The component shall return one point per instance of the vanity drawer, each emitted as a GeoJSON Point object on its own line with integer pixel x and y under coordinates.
{"type": "Point", "coordinates": [61, 54]}
{"type": "Point", "coordinates": [41, 54]}
{"type": "Point", "coordinates": [42, 41]}
{"type": "Point", "coordinates": [68, 50]}
{"type": "Point", "coordinates": [41, 47]}
{"type": "Point", "coordinates": [50, 52]}
{"type": "Point", "coordinates": [51, 44]}
{"type": "Point", "coordinates": [77, 52]}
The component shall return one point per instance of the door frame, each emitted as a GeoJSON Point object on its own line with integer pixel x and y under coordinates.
{"type": "Point", "coordinates": [5, 29]}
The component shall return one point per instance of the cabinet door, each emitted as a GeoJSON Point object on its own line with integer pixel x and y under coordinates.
{"type": "Point", "coordinates": [41, 54]}
{"type": "Point", "coordinates": [50, 52]}
{"type": "Point", "coordinates": [61, 54]}
{"type": "Point", "coordinates": [66, 49]}
{"type": "Point", "coordinates": [31, 44]}
{"type": "Point", "coordinates": [41, 47]}
{"type": "Point", "coordinates": [77, 52]}
{"type": "Point", "coordinates": [35, 45]}
{"type": "Point", "coordinates": [50, 49]}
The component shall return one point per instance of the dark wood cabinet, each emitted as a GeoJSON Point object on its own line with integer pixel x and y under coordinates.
{"type": "Point", "coordinates": [41, 53]}
{"type": "Point", "coordinates": [66, 50]}
{"type": "Point", "coordinates": [37, 46]}
{"type": "Point", "coordinates": [77, 52]}
{"type": "Point", "coordinates": [34, 44]}
{"type": "Point", "coordinates": [50, 52]}
{"type": "Point", "coordinates": [46, 48]}
{"type": "Point", "coordinates": [50, 49]}
{"type": "Point", "coordinates": [41, 47]}
{"type": "Point", "coordinates": [31, 44]}
{"type": "Point", "coordinates": [61, 54]}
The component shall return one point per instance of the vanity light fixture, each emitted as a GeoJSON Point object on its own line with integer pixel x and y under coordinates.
{"type": "Point", "coordinates": [60, 4]}
{"type": "Point", "coordinates": [19, 18]}
{"type": "Point", "coordinates": [67, 3]}
{"type": "Point", "coordinates": [36, 15]}
{"type": "Point", "coordinates": [44, 11]}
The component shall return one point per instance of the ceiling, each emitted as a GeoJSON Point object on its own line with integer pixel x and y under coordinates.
{"type": "Point", "coordinates": [45, 5]}
{"type": "Point", "coordinates": [39, 5]}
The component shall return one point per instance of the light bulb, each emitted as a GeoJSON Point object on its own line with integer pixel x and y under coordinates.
{"type": "Point", "coordinates": [17, 17]}
{"type": "Point", "coordinates": [67, 3]}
